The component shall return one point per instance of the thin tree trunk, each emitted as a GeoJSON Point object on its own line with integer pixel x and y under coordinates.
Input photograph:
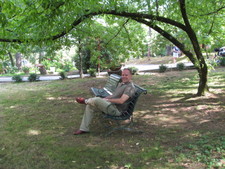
{"type": "Point", "coordinates": [40, 59]}
{"type": "Point", "coordinates": [11, 59]}
{"type": "Point", "coordinates": [99, 49]}
{"type": "Point", "coordinates": [149, 45]}
{"type": "Point", "coordinates": [80, 58]}
{"type": "Point", "coordinates": [18, 60]}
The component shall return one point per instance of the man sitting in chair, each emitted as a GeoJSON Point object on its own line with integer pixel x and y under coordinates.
{"type": "Point", "coordinates": [114, 104]}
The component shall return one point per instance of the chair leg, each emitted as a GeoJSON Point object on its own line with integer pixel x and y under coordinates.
{"type": "Point", "coordinates": [119, 126]}
{"type": "Point", "coordinates": [113, 125]}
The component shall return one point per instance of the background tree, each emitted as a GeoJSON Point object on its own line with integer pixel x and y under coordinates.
{"type": "Point", "coordinates": [108, 42]}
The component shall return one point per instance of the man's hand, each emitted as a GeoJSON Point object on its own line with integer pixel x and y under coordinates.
{"type": "Point", "coordinates": [120, 100]}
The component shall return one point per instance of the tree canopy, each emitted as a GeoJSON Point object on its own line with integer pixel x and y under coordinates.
{"type": "Point", "coordinates": [186, 24]}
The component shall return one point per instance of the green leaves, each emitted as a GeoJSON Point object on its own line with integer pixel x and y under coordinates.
{"type": "Point", "coordinates": [3, 19]}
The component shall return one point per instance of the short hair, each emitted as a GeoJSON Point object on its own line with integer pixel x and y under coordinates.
{"type": "Point", "coordinates": [128, 70]}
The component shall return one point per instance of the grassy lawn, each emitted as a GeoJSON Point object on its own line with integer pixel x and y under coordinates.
{"type": "Point", "coordinates": [179, 130]}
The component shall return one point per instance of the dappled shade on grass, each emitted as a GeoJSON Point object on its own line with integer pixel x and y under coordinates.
{"type": "Point", "coordinates": [179, 129]}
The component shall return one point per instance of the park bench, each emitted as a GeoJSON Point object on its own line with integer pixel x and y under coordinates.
{"type": "Point", "coordinates": [127, 115]}
{"type": "Point", "coordinates": [109, 87]}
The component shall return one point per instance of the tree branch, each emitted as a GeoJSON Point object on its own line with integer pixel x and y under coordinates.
{"type": "Point", "coordinates": [148, 16]}
{"type": "Point", "coordinates": [214, 12]}
{"type": "Point", "coordinates": [117, 32]}
{"type": "Point", "coordinates": [190, 32]}
{"type": "Point", "coordinates": [168, 37]}
{"type": "Point", "coordinates": [127, 33]}
{"type": "Point", "coordinates": [11, 40]}
{"type": "Point", "coordinates": [211, 27]}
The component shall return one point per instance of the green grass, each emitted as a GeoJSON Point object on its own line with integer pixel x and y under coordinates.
{"type": "Point", "coordinates": [180, 131]}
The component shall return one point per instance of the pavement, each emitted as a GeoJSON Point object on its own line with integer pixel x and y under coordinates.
{"type": "Point", "coordinates": [42, 78]}
{"type": "Point", "coordinates": [142, 68]}
{"type": "Point", "coordinates": [154, 67]}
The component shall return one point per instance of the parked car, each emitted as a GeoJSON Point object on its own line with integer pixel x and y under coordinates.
{"type": "Point", "coordinates": [220, 51]}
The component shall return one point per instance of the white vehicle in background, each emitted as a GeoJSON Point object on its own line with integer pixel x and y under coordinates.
{"type": "Point", "coordinates": [221, 51]}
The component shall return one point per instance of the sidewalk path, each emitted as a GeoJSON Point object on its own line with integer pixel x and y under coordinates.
{"type": "Point", "coordinates": [141, 68]}
{"type": "Point", "coordinates": [42, 78]}
{"type": "Point", "coordinates": [152, 67]}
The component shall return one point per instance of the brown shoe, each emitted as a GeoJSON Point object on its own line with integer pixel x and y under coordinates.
{"type": "Point", "coordinates": [78, 132]}
{"type": "Point", "coordinates": [80, 100]}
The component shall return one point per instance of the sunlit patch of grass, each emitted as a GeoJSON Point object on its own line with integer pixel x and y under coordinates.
{"type": "Point", "coordinates": [193, 134]}
{"type": "Point", "coordinates": [33, 132]}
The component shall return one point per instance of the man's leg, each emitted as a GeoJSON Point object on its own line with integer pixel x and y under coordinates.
{"type": "Point", "coordinates": [104, 106]}
{"type": "Point", "coordinates": [87, 118]}
{"type": "Point", "coordinates": [97, 104]}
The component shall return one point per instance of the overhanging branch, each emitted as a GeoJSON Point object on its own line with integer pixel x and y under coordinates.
{"type": "Point", "coordinates": [112, 12]}
{"type": "Point", "coordinates": [167, 36]}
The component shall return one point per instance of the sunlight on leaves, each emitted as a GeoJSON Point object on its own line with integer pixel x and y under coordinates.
{"type": "Point", "coordinates": [127, 166]}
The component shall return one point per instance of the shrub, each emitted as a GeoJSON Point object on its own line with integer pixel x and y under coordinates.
{"type": "Point", "coordinates": [212, 64]}
{"type": "Point", "coordinates": [92, 72]}
{"type": "Point", "coordinates": [17, 78]}
{"type": "Point", "coordinates": [11, 69]}
{"type": "Point", "coordinates": [222, 61]}
{"type": "Point", "coordinates": [33, 77]}
{"type": "Point", "coordinates": [26, 69]}
{"type": "Point", "coordinates": [67, 66]}
{"type": "Point", "coordinates": [162, 68]}
{"type": "Point", "coordinates": [180, 66]}
{"type": "Point", "coordinates": [63, 75]}
{"type": "Point", "coordinates": [134, 70]}
{"type": "Point", "coordinates": [1, 68]}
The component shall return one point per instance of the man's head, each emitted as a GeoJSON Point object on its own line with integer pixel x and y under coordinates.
{"type": "Point", "coordinates": [126, 75]}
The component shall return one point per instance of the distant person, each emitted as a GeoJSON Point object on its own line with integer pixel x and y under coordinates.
{"type": "Point", "coordinates": [176, 52]}
{"type": "Point", "coordinates": [114, 104]}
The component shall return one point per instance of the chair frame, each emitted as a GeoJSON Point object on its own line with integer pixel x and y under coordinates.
{"type": "Point", "coordinates": [127, 115]}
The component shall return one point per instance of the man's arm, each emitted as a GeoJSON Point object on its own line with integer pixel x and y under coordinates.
{"type": "Point", "coordinates": [120, 100]}
{"type": "Point", "coordinates": [108, 97]}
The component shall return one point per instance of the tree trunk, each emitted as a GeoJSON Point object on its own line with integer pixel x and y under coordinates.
{"type": "Point", "coordinates": [149, 45]}
{"type": "Point", "coordinates": [168, 50]}
{"type": "Point", "coordinates": [18, 60]}
{"type": "Point", "coordinates": [202, 86]}
{"type": "Point", "coordinates": [41, 56]}
{"type": "Point", "coordinates": [201, 64]}
{"type": "Point", "coordinates": [198, 61]}
{"type": "Point", "coordinates": [99, 57]}
{"type": "Point", "coordinates": [80, 58]}
{"type": "Point", "coordinates": [11, 59]}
